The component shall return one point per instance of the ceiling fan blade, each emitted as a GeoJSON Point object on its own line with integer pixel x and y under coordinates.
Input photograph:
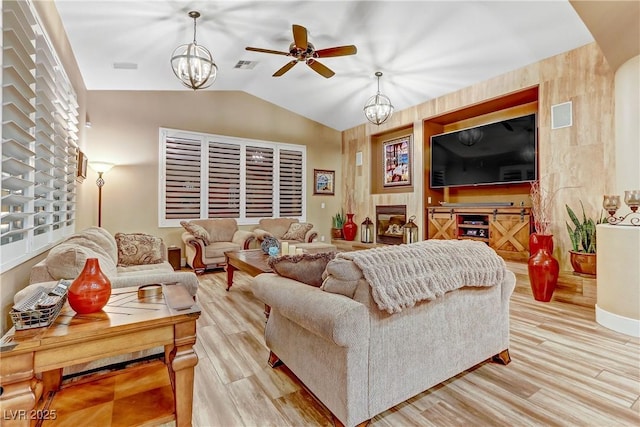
{"type": "Point", "coordinates": [257, 49]}
{"type": "Point", "coordinates": [289, 65]}
{"type": "Point", "coordinates": [337, 51]}
{"type": "Point", "coordinates": [320, 69]}
{"type": "Point", "coordinates": [300, 37]}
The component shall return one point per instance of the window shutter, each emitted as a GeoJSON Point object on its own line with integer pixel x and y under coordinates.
{"type": "Point", "coordinates": [18, 114]}
{"type": "Point", "coordinates": [182, 178]}
{"type": "Point", "coordinates": [291, 183]}
{"type": "Point", "coordinates": [239, 178]}
{"type": "Point", "coordinates": [259, 182]}
{"type": "Point", "coordinates": [39, 139]}
{"type": "Point", "coordinates": [224, 180]}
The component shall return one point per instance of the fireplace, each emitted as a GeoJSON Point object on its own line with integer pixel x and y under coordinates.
{"type": "Point", "coordinates": [389, 222]}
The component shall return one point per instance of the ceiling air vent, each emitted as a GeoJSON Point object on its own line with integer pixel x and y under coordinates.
{"type": "Point", "coordinates": [125, 66]}
{"type": "Point", "coordinates": [246, 65]}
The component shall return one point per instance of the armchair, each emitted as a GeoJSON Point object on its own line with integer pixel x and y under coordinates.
{"type": "Point", "coordinates": [281, 229]}
{"type": "Point", "coordinates": [206, 241]}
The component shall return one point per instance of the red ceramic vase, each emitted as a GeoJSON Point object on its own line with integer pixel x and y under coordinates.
{"type": "Point", "coordinates": [543, 267]}
{"type": "Point", "coordinates": [536, 242]}
{"type": "Point", "coordinates": [350, 228]}
{"type": "Point", "coordinates": [91, 290]}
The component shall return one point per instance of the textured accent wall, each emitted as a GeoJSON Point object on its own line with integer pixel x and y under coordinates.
{"type": "Point", "coordinates": [578, 161]}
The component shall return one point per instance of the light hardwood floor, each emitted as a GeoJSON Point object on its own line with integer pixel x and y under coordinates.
{"type": "Point", "coordinates": [566, 370]}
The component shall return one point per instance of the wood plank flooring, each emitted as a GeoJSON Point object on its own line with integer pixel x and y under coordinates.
{"type": "Point", "coordinates": [566, 370]}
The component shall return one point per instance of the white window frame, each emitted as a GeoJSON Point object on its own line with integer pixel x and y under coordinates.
{"type": "Point", "coordinates": [204, 139]}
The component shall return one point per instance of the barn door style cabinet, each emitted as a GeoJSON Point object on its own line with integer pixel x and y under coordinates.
{"type": "Point", "coordinates": [505, 229]}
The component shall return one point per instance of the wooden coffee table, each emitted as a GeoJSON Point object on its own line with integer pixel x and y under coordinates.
{"type": "Point", "coordinates": [126, 324]}
{"type": "Point", "coordinates": [251, 261]}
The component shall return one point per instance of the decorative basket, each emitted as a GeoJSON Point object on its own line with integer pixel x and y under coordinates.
{"type": "Point", "coordinates": [38, 310]}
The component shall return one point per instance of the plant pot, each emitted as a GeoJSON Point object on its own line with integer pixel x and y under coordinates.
{"type": "Point", "coordinates": [336, 233]}
{"type": "Point", "coordinates": [543, 267]}
{"type": "Point", "coordinates": [583, 263]}
{"type": "Point", "coordinates": [90, 291]}
{"type": "Point", "coordinates": [350, 228]}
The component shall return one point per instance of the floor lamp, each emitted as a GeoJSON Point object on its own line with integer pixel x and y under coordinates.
{"type": "Point", "coordinates": [100, 168]}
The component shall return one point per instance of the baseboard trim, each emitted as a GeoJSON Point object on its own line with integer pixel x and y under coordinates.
{"type": "Point", "coordinates": [615, 322]}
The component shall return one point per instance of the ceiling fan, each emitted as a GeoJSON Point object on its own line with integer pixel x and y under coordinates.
{"type": "Point", "coordinates": [303, 50]}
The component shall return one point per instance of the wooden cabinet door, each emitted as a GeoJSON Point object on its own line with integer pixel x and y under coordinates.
{"type": "Point", "coordinates": [441, 225]}
{"type": "Point", "coordinates": [509, 235]}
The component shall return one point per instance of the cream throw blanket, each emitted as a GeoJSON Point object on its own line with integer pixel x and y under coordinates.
{"type": "Point", "coordinates": [401, 275]}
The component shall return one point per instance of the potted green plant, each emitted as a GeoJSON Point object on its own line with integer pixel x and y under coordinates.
{"type": "Point", "coordinates": [338, 221]}
{"type": "Point", "coordinates": [583, 242]}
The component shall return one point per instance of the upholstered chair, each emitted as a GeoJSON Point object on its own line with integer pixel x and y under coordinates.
{"type": "Point", "coordinates": [206, 241]}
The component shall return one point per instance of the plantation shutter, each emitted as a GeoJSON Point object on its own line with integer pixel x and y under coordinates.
{"type": "Point", "coordinates": [18, 113]}
{"type": "Point", "coordinates": [291, 183]}
{"type": "Point", "coordinates": [216, 176]}
{"type": "Point", "coordinates": [182, 182]}
{"type": "Point", "coordinates": [259, 182]}
{"type": "Point", "coordinates": [224, 180]}
{"type": "Point", "coordinates": [39, 139]}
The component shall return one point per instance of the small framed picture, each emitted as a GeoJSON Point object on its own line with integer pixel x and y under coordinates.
{"type": "Point", "coordinates": [81, 173]}
{"type": "Point", "coordinates": [324, 182]}
{"type": "Point", "coordinates": [397, 162]}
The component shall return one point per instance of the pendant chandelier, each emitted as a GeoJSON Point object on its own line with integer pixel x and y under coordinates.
{"type": "Point", "coordinates": [193, 64]}
{"type": "Point", "coordinates": [470, 137]}
{"type": "Point", "coordinates": [378, 108]}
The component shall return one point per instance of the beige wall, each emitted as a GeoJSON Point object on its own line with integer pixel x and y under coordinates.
{"type": "Point", "coordinates": [125, 131]}
{"type": "Point", "coordinates": [581, 157]}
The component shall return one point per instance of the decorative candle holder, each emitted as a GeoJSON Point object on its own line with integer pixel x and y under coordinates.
{"type": "Point", "coordinates": [632, 199]}
{"type": "Point", "coordinates": [611, 203]}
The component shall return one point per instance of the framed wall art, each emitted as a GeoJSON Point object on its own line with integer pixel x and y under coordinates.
{"type": "Point", "coordinates": [397, 162]}
{"type": "Point", "coordinates": [324, 182]}
{"type": "Point", "coordinates": [81, 172]}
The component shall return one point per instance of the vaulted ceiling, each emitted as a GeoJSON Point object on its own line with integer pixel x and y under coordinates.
{"type": "Point", "coordinates": [424, 49]}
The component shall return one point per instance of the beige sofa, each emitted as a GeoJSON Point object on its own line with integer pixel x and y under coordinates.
{"type": "Point", "coordinates": [125, 265]}
{"type": "Point", "coordinates": [146, 263]}
{"type": "Point", "coordinates": [285, 229]}
{"type": "Point", "coordinates": [206, 241]}
{"type": "Point", "coordinates": [360, 360]}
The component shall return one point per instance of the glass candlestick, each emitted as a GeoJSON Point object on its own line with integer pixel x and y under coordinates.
{"type": "Point", "coordinates": [611, 203]}
{"type": "Point", "coordinates": [632, 199]}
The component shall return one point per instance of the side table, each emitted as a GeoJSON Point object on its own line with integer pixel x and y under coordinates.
{"type": "Point", "coordinates": [175, 257]}
{"type": "Point", "coordinates": [126, 324]}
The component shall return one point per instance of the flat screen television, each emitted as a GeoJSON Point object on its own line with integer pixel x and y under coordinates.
{"type": "Point", "coordinates": [503, 152]}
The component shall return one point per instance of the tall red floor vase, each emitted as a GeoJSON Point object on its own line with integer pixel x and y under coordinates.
{"type": "Point", "coordinates": [543, 267]}
{"type": "Point", "coordinates": [350, 228]}
{"type": "Point", "coordinates": [90, 291]}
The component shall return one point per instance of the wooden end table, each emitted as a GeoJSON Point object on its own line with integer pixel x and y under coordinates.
{"type": "Point", "coordinates": [251, 261]}
{"type": "Point", "coordinates": [126, 324]}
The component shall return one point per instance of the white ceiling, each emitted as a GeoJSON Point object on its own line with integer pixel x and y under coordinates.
{"type": "Point", "coordinates": [424, 48]}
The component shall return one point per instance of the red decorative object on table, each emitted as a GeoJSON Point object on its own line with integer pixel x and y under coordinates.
{"type": "Point", "coordinates": [350, 228]}
{"type": "Point", "coordinates": [91, 290]}
{"type": "Point", "coordinates": [543, 267]}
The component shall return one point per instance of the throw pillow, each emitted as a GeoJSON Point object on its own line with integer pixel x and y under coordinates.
{"type": "Point", "coordinates": [198, 231]}
{"type": "Point", "coordinates": [138, 249]}
{"type": "Point", "coordinates": [341, 277]}
{"type": "Point", "coordinates": [66, 261]}
{"type": "Point", "coordinates": [305, 268]}
{"type": "Point", "coordinates": [297, 231]}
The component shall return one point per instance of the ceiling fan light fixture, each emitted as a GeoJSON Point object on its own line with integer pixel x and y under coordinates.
{"type": "Point", "coordinates": [378, 108]}
{"type": "Point", "coordinates": [193, 64]}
